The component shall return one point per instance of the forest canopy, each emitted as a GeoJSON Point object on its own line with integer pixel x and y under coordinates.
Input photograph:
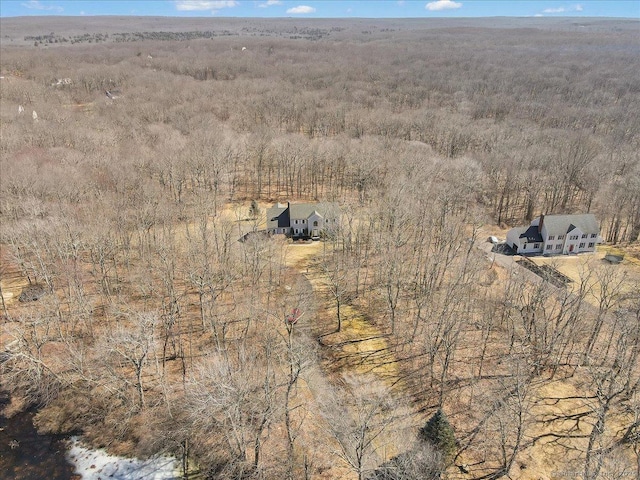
{"type": "Point", "coordinates": [135, 154]}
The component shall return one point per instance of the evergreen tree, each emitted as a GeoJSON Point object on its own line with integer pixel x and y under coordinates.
{"type": "Point", "coordinates": [439, 433]}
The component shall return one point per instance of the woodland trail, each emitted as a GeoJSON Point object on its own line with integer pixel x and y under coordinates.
{"type": "Point", "coordinates": [360, 348]}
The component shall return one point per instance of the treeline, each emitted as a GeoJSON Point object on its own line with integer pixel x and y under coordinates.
{"type": "Point", "coordinates": [554, 128]}
{"type": "Point", "coordinates": [295, 33]}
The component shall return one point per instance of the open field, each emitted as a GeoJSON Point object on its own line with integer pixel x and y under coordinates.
{"type": "Point", "coordinates": [592, 269]}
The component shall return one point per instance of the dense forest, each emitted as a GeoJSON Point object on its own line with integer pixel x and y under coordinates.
{"type": "Point", "coordinates": [132, 162]}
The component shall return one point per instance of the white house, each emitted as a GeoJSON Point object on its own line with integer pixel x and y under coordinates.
{"type": "Point", "coordinates": [556, 235]}
{"type": "Point", "coordinates": [303, 220]}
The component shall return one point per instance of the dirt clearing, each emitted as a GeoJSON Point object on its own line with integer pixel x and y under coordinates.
{"type": "Point", "coordinates": [594, 270]}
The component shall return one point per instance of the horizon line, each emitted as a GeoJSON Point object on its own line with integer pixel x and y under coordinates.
{"type": "Point", "coordinates": [537, 17]}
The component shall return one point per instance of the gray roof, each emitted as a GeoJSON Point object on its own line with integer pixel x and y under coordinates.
{"type": "Point", "coordinates": [280, 215]}
{"type": "Point", "coordinates": [304, 210]}
{"type": "Point", "coordinates": [275, 217]}
{"type": "Point", "coordinates": [519, 231]}
{"type": "Point", "coordinates": [531, 234]}
{"type": "Point", "coordinates": [563, 224]}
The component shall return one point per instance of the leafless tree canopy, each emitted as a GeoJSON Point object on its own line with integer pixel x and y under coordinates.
{"type": "Point", "coordinates": [156, 146]}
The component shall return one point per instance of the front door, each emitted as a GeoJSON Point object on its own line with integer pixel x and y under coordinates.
{"type": "Point", "coordinates": [570, 248]}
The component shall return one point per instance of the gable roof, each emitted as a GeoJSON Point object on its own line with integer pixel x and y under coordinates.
{"type": "Point", "coordinates": [280, 215]}
{"type": "Point", "coordinates": [563, 224]}
{"type": "Point", "coordinates": [531, 233]}
{"type": "Point", "coordinates": [305, 210]}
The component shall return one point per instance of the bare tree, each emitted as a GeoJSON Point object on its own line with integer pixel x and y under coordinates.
{"type": "Point", "coordinates": [358, 419]}
{"type": "Point", "coordinates": [336, 277]}
{"type": "Point", "coordinates": [27, 371]}
{"type": "Point", "coordinates": [235, 402]}
{"type": "Point", "coordinates": [616, 381]}
{"type": "Point", "coordinates": [610, 283]}
{"type": "Point", "coordinates": [130, 347]}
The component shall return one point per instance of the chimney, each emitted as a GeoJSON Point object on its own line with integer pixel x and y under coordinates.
{"type": "Point", "coordinates": [541, 223]}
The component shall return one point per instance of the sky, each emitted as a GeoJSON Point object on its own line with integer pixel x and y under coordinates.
{"type": "Point", "coordinates": [326, 8]}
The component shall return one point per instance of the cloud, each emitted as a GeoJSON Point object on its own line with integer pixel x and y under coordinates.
{"type": "Point", "coordinates": [572, 8]}
{"type": "Point", "coordinates": [197, 5]}
{"type": "Point", "coordinates": [301, 9]}
{"type": "Point", "coordinates": [442, 5]}
{"type": "Point", "coordinates": [36, 5]}
{"type": "Point", "coordinates": [270, 3]}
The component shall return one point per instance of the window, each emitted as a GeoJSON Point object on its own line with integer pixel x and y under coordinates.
{"type": "Point", "coordinates": [536, 245]}
{"type": "Point", "coordinates": [315, 223]}
{"type": "Point", "coordinates": [593, 235]}
{"type": "Point", "coordinates": [327, 220]}
{"type": "Point", "coordinates": [296, 222]}
{"type": "Point", "coordinates": [591, 245]}
{"type": "Point", "coordinates": [559, 246]}
{"type": "Point", "coordinates": [581, 245]}
{"type": "Point", "coordinates": [560, 237]}
{"type": "Point", "coordinates": [551, 237]}
{"type": "Point", "coordinates": [573, 237]}
{"type": "Point", "coordinates": [549, 247]}
{"type": "Point", "coordinates": [584, 235]}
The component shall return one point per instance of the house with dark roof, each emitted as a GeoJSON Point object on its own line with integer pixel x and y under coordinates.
{"type": "Point", "coordinates": [556, 235]}
{"type": "Point", "coordinates": [303, 220]}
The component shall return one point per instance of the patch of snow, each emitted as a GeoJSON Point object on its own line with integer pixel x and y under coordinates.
{"type": "Point", "coordinates": [98, 464]}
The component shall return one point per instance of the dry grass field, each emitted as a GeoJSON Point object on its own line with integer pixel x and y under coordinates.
{"type": "Point", "coordinates": [592, 268]}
